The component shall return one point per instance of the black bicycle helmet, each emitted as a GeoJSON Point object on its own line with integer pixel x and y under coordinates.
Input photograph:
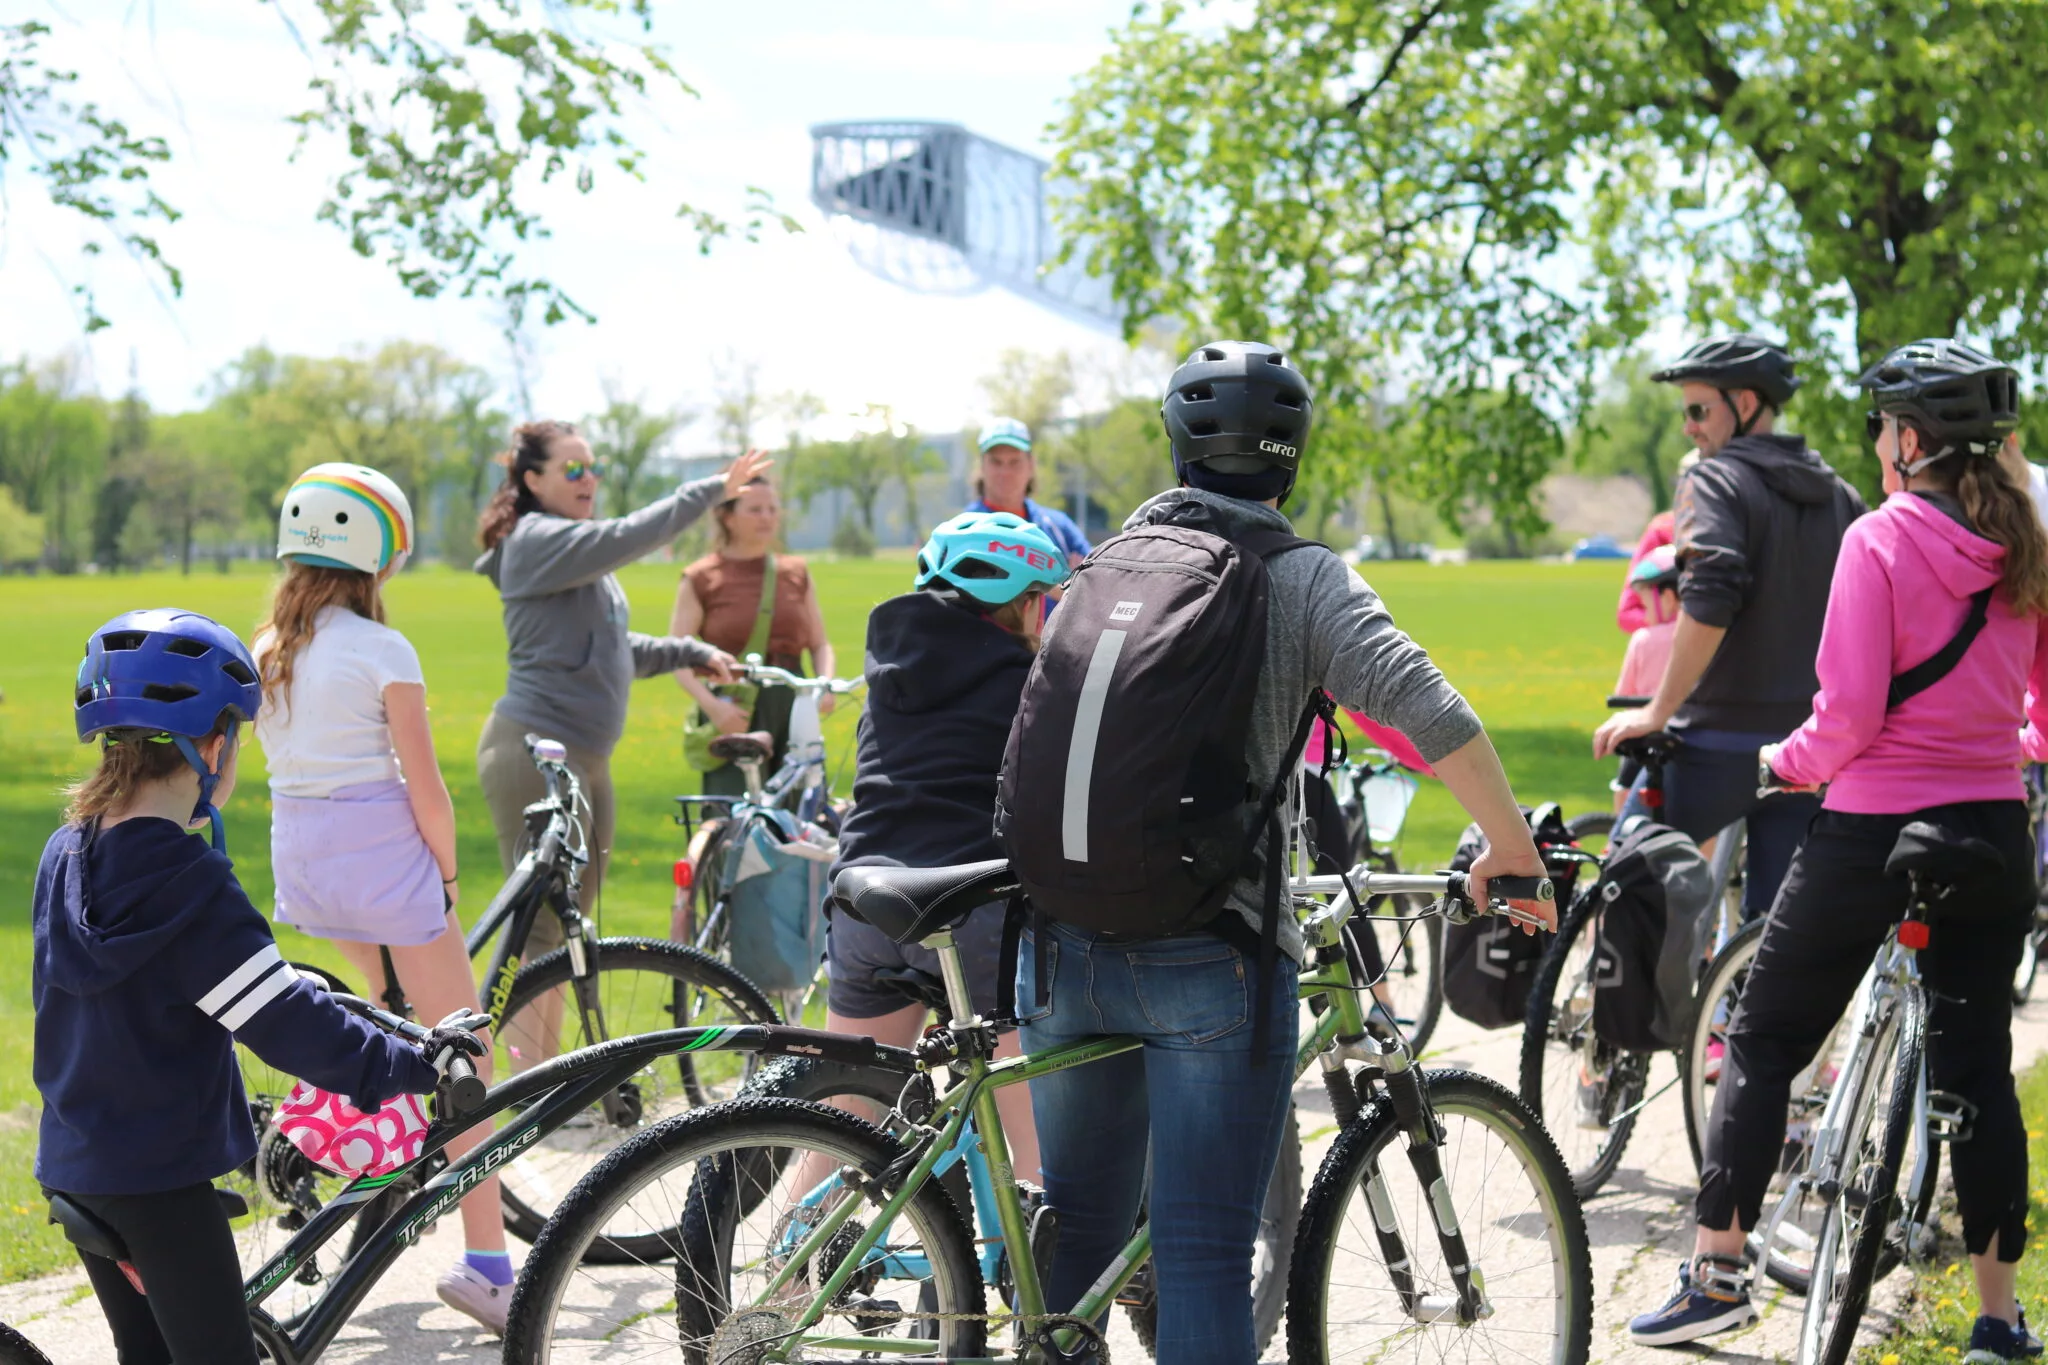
{"type": "Point", "coordinates": [1955, 394]}
{"type": "Point", "coordinates": [1741, 361]}
{"type": "Point", "coordinates": [1237, 416]}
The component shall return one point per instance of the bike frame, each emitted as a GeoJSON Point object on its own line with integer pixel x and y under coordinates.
{"type": "Point", "coordinates": [552, 1093]}
{"type": "Point", "coordinates": [1340, 1034]}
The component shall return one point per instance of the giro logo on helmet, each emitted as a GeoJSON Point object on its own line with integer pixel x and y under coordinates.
{"type": "Point", "coordinates": [1280, 448]}
{"type": "Point", "coordinates": [1037, 559]}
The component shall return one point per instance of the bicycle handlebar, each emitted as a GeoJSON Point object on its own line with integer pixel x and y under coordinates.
{"type": "Point", "coordinates": [1450, 886]}
{"type": "Point", "coordinates": [1621, 703]}
{"type": "Point", "coordinates": [464, 1088]}
{"type": "Point", "coordinates": [755, 671]}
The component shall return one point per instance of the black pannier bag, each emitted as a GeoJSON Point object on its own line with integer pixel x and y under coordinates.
{"type": "Point", "coordinates": [1489, 962]}
{"type": "Point", "coordinates": [1657, 892]}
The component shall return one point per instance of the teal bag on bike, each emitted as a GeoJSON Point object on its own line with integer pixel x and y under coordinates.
{"type": "Point", "coordinates": [776, 905]}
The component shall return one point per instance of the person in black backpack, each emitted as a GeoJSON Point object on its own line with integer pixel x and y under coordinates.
{"type": "Point", "coordinates": [1143, 795]}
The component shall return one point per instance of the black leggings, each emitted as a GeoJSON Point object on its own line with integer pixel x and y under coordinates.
{"type": "Point", "coordinates": [1834, 909]}
{"type": "Point", "coordinates": [181, 1245]}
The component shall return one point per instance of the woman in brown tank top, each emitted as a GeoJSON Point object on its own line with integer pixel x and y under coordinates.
{"type": "Point", "coordinates": [719, 598]}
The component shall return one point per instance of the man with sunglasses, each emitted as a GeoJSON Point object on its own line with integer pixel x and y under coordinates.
{"type": "Point", "coordinates": [1758, 525]}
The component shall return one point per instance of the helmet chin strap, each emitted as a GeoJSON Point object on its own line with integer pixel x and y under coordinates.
{"type": "Point", "coordinates": [1742, 424]}
{"type": "Point", "coordinates": [209, 778]}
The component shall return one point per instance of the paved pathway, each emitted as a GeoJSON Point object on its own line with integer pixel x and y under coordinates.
{"type": "Point", "coordinates": [1640, 1225]}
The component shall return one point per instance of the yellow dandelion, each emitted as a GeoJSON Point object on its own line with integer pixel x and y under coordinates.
{"type": "Point", "coordinates": [1890, 1359]}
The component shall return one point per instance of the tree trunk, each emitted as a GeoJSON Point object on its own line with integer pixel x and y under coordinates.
{"type": "Point", "coordinates": [1387, 515]}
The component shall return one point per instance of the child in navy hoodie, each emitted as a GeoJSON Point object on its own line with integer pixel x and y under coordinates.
{"type": "Point", "coordinates": [150, 964]}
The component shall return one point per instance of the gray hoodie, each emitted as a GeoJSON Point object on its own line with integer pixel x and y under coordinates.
{"type": "Point", "coordinates": [571, 660]}
{"type": "Point", "coordinates": [1324, 628]}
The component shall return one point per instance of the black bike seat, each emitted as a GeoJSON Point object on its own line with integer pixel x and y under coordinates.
{"type": "Point", "coordinates": [1942, 856]}
{"type": "Point", "coordinates": [1655, 747]}
{"type": "Point", "coordinates": [913, 903]}
{"type": "Point", "coordinates": [754, 746]}
{"type": "Point", "coordinates": [88, 1232]}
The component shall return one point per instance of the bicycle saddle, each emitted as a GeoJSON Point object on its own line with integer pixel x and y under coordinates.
{"type": "Point", "coordinates": [1942, 856]}
{"type": "Point", "coordinates": [913, 903]}
{"type": "Point", "coordinates": [1655, 747]}
{"type": "Point", "coordinates": [756, 746]}
{"type": "Point", "coordinates": [88, 1232]}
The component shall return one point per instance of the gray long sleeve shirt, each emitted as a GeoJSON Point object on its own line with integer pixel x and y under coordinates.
{"type": "Point", "coordinates": [1324, 628]}
{"type": "Point", "coordinates": [571, 661]}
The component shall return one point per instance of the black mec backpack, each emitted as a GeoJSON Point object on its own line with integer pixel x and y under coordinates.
{"type": "Point", "coordinates": [1657, 893]}
{"type": "Point", "coordinates": [1125, 803]}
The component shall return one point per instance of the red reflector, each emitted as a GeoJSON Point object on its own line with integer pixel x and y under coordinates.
{"type": "Point", "coordinates": [1913, 934]}
{"type": "Point", "coordinates": [1653, 798]}
{"type": "Point", "coordinates": [685, 874]}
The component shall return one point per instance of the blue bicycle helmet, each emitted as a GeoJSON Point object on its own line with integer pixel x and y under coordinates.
{"type": "Point", "coordinates": [169, 674]}
{"type": "Point", "coordinates": [992, 557]}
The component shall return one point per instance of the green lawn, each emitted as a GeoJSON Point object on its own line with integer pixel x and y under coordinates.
{"type": "Point", "coordinates": [1533, 645]}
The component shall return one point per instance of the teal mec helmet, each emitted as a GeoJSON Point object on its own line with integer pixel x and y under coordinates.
{"type": "Point", "coordinates": [992, 557]}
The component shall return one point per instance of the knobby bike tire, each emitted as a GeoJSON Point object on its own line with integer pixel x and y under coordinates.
{"type": "Point", "coordinates": [1541, 1052]}
{"type": "Point", "coordinates": [564, 1251]}
{"type": "Point", "coordinates": [16, 1349]}
{"type": "Point", "coordinates": [1592, 824]}
{"type": "Point", "coordinates": [710, 932]}
{"type": "Point", "coordinates": [1360, 1150]}
{"type": "Point", "coordinates": [1834, 1306]}
{"type": "Point", "coordinates": [1733, 960]}
{"type": "Point", "coordinates": [691, 976]}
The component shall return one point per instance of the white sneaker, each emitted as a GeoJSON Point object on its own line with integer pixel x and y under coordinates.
{"type": "Point", "coordinates": [465, 1289]}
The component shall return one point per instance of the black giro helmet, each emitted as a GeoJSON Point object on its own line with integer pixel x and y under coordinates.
{"type": "Point", "coordinates": [1237, 408]}
{"type": "Point", "coordinates": [1955, 393]}
{"type": "Point", "coordinates": [1741, 361]}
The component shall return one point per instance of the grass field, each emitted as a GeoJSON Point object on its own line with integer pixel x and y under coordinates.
{"type": "Point", "coordinates": [1533, 645]}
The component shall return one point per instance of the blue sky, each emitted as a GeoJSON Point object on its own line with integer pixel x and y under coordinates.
{"type": "Point", "coordinates": [219, 77]}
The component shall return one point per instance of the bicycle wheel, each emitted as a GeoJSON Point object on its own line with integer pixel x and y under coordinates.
{"type": "Point", "coordinates": [713, 1294]}
{"type": "Point", "coordinates": [1586, 1091]}
{"type": "Point", "coordinates": [16, 1349]}
{"type": "Point", "coordinates": [1367, 1230]}
{"type": "Point", "coordinates": [1857, 1223]}
{"type": "Point", "coordinates": [1409, 943]}
{"type": "Point", "coordinates": [2030, 964]}
{"type": "Point", "coordinates": [640, 986]}
{"type": "Point", "coordinates": [1272, 1255]}
{"type": "Point", "coordinates": [1592, 829]}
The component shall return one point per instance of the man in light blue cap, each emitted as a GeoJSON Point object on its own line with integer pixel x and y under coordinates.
{"type": "Point", "coordinates": [1004, 485]}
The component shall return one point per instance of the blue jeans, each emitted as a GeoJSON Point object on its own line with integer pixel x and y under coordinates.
{"type": "Point", "coordinates": [1213, 1112]}
{"type": "Point", "coordinates": [1709, 784]}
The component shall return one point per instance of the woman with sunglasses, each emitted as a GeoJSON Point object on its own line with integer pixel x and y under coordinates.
{"type": "Point", "coordinates": [571, 658]}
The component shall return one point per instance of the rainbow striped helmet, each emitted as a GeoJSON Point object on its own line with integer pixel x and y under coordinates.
{"type": "Point", "coordinates": [345, 516]}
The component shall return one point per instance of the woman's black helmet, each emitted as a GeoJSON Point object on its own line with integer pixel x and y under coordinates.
{"type": "Point", "coordinates": [1736, 362]}
{"type": "Point", "coordinates": [1954, 393]}
{"type": "Point", "coordinates": [1238, 415]}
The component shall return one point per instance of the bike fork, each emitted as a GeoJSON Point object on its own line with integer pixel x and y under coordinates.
{"type": "Point", "coordinates": [1425, 1156]}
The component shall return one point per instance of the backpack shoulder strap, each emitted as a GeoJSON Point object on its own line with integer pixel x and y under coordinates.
{"type": "Point", "coordinates": [1269, 544]}
{"type": "Point", "coordinates": [1942, 662]}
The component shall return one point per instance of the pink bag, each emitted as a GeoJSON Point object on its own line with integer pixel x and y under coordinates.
{"type": "Point", "coordinates": [336, 1135]}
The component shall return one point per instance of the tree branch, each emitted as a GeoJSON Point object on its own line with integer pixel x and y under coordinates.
{"type": "Point", "coordinates": [1414, 30]}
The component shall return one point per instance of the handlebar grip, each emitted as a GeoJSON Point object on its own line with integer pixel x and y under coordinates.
{"type": "Point", "coordinates": [1616, 702]}
{"type": "Point", "coordinates": [464, 1088]}
{"type": "Point", "coordinates": [1520, 889]}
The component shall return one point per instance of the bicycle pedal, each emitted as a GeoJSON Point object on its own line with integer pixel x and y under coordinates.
{"type": "Point", "coordinates": [1950, 1117]}
{"type": "Point", "coordinates": [1138, 1293]}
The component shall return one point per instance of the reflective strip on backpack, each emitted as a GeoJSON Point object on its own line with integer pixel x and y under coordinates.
{"type": "Point", "coordinates": [1081, 754]}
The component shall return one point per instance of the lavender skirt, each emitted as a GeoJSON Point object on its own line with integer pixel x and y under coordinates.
{"type": "Point", "coordinates": [353, 866]}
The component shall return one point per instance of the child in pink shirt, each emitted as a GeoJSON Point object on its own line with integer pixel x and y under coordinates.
{"type": "Point", "coordinates": [1654, 582]}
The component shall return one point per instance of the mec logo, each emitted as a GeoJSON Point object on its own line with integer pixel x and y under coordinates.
{"type": "Point", "coordinates": [1037, 559]}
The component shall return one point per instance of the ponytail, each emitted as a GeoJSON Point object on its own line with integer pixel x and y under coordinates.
{"type": "Point", "coordinates": [2000, 510]}
{"type": "Point", "coordinates": [513, 499]}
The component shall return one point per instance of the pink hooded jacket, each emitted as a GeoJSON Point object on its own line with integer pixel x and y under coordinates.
{"type": "Point", "coordinates": [1901, 589]}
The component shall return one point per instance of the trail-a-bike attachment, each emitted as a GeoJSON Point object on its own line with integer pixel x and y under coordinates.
{"type": "Point", "coordinates": [540, 1101]}
{"type": "Point", "coordinates": [807, 1233]}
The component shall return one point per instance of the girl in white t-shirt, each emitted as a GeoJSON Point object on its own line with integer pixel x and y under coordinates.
{"type": "Point", "coordinates": [362, 836]}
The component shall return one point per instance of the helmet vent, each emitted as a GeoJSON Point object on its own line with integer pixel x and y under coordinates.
{"type": "Point", "coordinates": [1204, 428]}
{"type": "Point", "coordinates": [239, 671]}
{"type": "Point", "coordinates": [974, 568]}
{"type": "Point", "coordinates": [84, 696]}
{"type": "Point", "coordinates": [341, 518]}
{"type": "Point", "coordinates": [1198, 393]}
{"type": "Point", "coordinates": [191, 649]}
{"type": "Point", "coordinates": [1214, 353]}
{"type": "Point", "coordinates": [123, 639]}
{"type": "Point", "coordinates": [169, 692]}
{"type": "Point", "coordinates": [1287, 400]}
{"type": "Point", "coordinates": [1276, 359]}
{"type": "Point", "coordinates": [295, 511]}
